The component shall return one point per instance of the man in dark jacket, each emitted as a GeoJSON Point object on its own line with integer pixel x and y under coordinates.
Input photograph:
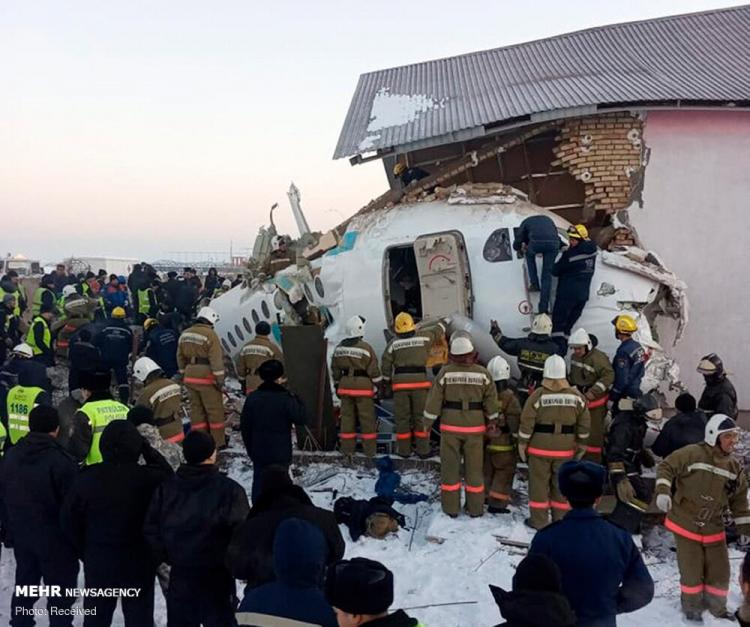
{"type": "Point", "coordinates": [574, 271]}
{"type": "Point", "coordinates": [37, 474]}
{"type": "Point", "coordinates": [250, 553]}
{"type": "Point", "coordinates": [299, 556]}
{"type": "Point", "coordinates": [361, 591]}
{"type": "Point", "coordinates": [159, 343]}
{"type": "Point", "coordinates": [719, 395]}
{"type": "Point", "coordinates": [83, 356]}
{"type": "Point", "coordinates": [603, 573]}
{"type": "Point", "coordinates": [687, 426]}
{"type": "Point", "coordinates": [21, 367]}
{"type": "Point", "coordinates": [629, 362]}
{"type": "Point", "coordinates": [266, 423]}
{"type": "Point", "coordinates": [10, 333]}
{"type": "Point", "coordinates": [115, 343]}
{"type": "Point", "coordinates": [189, 524]}
{"type": "Point", "coordinates": [537, 235]}
{"type": "Point", "coordinates": [103, 517]}
{"type": "Point", "coordinates": [537, 599]}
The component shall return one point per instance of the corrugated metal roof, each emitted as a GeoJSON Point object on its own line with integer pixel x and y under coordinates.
{"type": "Point", "coordinates": [695, 57]}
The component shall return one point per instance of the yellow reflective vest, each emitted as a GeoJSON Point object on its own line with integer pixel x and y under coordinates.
{"type": "Point", "coordinates": [100, 414]}
{"type": "Point", "coordinates": [21, 400]}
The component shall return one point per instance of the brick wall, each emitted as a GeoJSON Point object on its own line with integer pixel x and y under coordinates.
{"type": "Point", "coordinates": [605, 152]}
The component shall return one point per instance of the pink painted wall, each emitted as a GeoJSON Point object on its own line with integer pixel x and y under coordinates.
{"type": "Point", "coordinates": [696, 216]}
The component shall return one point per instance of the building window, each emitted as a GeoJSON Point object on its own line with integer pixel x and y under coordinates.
{"type": "Point", "coordinates": [498, 246]}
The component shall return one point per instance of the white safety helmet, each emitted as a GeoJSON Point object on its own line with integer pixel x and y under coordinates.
{"type": "Point", "coordinates": [579, 337]}
{"type": "Point", "coordinates": [23, 350]}
{"type": "Point", "coordinates": [276, 242]}
{"type": "Point", "coordinates": [499, 368]}
{"type": "Point", "coordinates": [461, 345]}
{"type": "Point", "coordinates": [554, 368]}
{"type": "Point", "coordinates": [143, 367]}
{"type": "Point", "coordinates": [355, 327]}
{"type": "Point", "coordinates": [542, 325]}
{"type": "Point", "coordinates": [226, 283]}
{"type": "Point", "coordinates": [69, 290]}
{"type": "Point", "coordinates": [719, 424]}
{"type": "Point", "coordinates": [208, 314]}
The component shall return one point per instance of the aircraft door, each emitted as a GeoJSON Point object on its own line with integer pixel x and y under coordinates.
{"type": "Point", "coordinates": [444, 277]}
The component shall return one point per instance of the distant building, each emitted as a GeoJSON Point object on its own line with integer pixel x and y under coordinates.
{"type": "Point", "coordinates": [647, 120]}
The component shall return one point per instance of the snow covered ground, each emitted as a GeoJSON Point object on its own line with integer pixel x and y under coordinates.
{"type": "Point", "coordinates": [457, 571]}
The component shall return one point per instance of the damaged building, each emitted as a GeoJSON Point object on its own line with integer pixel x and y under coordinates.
{"type": "Point", "coordinates": [641, 131]}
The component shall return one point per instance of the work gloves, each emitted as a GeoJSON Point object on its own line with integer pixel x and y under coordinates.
{"type": "Point", "coordinates": [664, 502]}
{"type": "Point", "coordinates": [625, 491]}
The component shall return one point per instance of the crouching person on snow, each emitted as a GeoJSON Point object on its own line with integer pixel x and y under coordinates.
{"type": "Point", "coordinates": [603, 573]}
{"type": "Point", "coordinates": [694, 486]}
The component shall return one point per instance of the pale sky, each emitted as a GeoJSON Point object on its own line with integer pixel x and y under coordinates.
{"type": "Point", "coordinates": [143, 127]}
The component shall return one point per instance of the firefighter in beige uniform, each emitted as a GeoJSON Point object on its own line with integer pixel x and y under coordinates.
{"type": "Point", "coordinates": [201, 362]}
{"type": "Point", "coordinates": [404, 365]}
{"type": "Point", "coordinates": [694, 486]}
{"type": "Point", "coordinates": [254, 354]}
{"type": "Point", "coordinates": [162, 396]}
{"type": "Point", "coordinates": [592, 373]}
{"type": "Point", "coordinates": [500, 452]}
{"type": "Point", "coordinates": [355, 371]}
{"type": "Point", "coordinates": [465, 398]}
{"type": "Point", "coordinates": [554, 428]}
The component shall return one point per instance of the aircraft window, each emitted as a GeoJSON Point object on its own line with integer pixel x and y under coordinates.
{"type": "Point", "coordinates": [232, 341]}
{"type": "Point", "coordinates": [265, 310]}
{"type": "Point", "coordinates": [498, 246]}
{"type": "Point", "coordinates": [256, 317]}
{"type": "Point", "coordinates": [226, 346]}
{"type": "Point", "coordinates": [308, 292]}
{"type": "Point", "coordinates": [246, 324]}
{"type": "Point", "coordinates": [278, 300]}
{"type": "Point", "coordinates": [319, 287]}
{"type": "Point", "coordinates": [238, 331]}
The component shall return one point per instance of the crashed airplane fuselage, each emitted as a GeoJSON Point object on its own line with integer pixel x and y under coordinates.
{"type": "Point", "coordinates": [453, 257]}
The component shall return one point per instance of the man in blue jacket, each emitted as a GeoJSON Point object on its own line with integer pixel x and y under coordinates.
{"type": "Point", "coordinates": [266, 422]}
{"type": "Point", "coordinates": [537, 235]}
{"type": "Point", "coordinates": [115, 343]}
{"type": "Point", "coordinates": [602, 570]}
{"type": "Point", "coordinates": [159, 342]}
{"type": "Point", "coordinates": [574, 271]}
{"type": "Point", "coordinates": [629, 362]}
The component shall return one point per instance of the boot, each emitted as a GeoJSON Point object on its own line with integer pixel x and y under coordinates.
{"type": "Point", "coordinates": [497, 510]}
{"type": "Point", "coordinates": [694, 616]}
{"type": "Point", "coordinates": [529, 524]}
{"type": "Point", "coordinates": [724, 614]}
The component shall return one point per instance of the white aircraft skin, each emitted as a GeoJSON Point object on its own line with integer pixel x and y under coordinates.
{"type": "Point", "coordinates": [352, 281]}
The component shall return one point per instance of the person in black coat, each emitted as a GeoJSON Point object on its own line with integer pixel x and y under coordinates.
{"type": "Point", "coordinates": [719, 395]}
{"type": "Point", "coordinates": [189, 525]}
{"type": "Point", "coordinates": [688, 426]}
{"type": "Point", "coordinates": [574, 271]}
{"type": "Point", "coordinates": [537, 599]}
{"type": "Point", "coordinates": [37, 474]}
{"type": "Point", "coordinates": [159, 342]}
{"type": "Point", "coordinates": [83, 356]}
{"type": "Point", "coordinates": [115, 343]}
{"type": "Point", "coordinates": [537, 235]}
{"type": "Point", "coordinates": [103, 517]}
{"type": "Point", "coordinates": [603, 573]}
{"type": "Point", "coordinates": [266, 422]}
{"type": "Point", "coordinates": [250, 554]}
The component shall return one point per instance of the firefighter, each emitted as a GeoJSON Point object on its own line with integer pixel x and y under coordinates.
{"type": "Point", "coordinates": [404, 366]}
{"type": "Point", "coordinates": [719, 395]}
{"type": "Point", "coordinates": [629, 362]}
{"type": "Point", "coordinates": [555, 427]}
{"type": "Point", "coordinates": [500, 452]}
{"type": "Point", "coordinates": [279, 258]}
{"type": "Point", "coordinates": [592, 373]}
{"type": "Point", "coordinates": [162, 396]}
{"type": "Point", "coordinates": [355, 371]}
{"type": "Point", "coordinates": [465, 398]}
{"type": "Point", "coordinates": [21, 399]}
{"type": "Point", "coordinates": [626, 455]}
{"type": "Point", "coordinates": [115, 344]}
{"type": "Point", "coordinates": [201, 362]}
{"type": "Point", "coordinates": [44, 295]}
{"type": "Point", "coordinates": [694, 486]}
{"type": "Point", "coordinates": [532, 351]}
{"type": "Point", "coordinates": [39, 336]}
{"type": "Point", "coordinates": [254, 354]}
{"type": "Point", "coordinates": [97, 411]}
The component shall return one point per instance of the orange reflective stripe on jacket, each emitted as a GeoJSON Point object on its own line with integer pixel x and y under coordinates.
{"type": "Point", "coordinates": [539, 504]}
{"type": "Point", "coordinates": [599, 402]}
{"type": "Point", "coordinates": [176, 438]}
{"type": "Point", "coordinates": [559, 505]}
{"type": "Point", "coordinates": [369, 436]}
{"type": "Point", "coordinates": [420, 434]}
{"type": "Point", "coordinates": [469, 430]}
{"type": "Point", "coordinates": [452, 487]}
{"type": "Point", "coordinates": [351, 392]}
{"type": "Point", "coordinates": [543, 452]}
{"type": "Point", "coordinates": [199, 425]}
{"type": "Point", "coordinates": [691, 535]}
{"type": "Point", "coordinates": [691, 589]}
{"type": "Point", "coordinates": [475, 489]}
{"type": "Point", "coordinates": [348, 436]}
{"type": "Point", "coordinates": [200, 380]}
{"type": "Point", "coordinates": [403, 436]}
{"type": "Point", "coordinates": [499, 496]}
{"type": "Point", "coordinates": [593, 449]}
{"type": "Point", "coordinates": [419, 385]}
{"type": "Point", "coordinates": [719, 592]}
{"type": "Point", "coordinates": [216, 425]}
